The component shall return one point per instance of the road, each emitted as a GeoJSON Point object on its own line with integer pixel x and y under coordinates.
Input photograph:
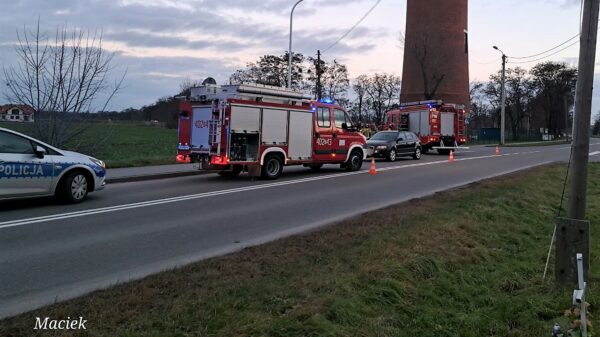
{"type": "Point", "coordinates": [50, 251]}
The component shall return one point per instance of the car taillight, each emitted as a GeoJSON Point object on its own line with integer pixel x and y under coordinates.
{"type": "Point", "coordinates": [180, 158]}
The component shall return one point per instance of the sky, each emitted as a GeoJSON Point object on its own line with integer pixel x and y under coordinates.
{"type": "Point", "coordinates": [160, 43]}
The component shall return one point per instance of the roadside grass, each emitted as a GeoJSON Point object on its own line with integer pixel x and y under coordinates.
{"type": "Point", "coordinates": [466, 262]}
{"type": "Point", "coordinates": [120, 145]}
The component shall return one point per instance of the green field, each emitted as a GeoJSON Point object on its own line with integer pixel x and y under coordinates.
{"type": "Point", "coordinates": [120, 145]}
{"type": "Point", "coordinates": [467, 262]}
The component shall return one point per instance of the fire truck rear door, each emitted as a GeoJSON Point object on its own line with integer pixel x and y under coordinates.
{"type": "Point", "coordinates": [202, 115]}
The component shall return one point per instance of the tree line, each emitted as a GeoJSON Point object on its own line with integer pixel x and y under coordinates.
{"type": "Point", "coordinates": [537, 101]}
{"type": "Point", "coordinates": [66, 80]}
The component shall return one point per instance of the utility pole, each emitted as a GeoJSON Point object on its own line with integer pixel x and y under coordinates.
{"type": "Point", "coordinates": [289, 77]}
{"type": "Point", "coordinates": [502, 98]}
{"type": "Point", "coordinates": [566, 102]}
{"type": "Point", "coordinates": [573, 232]}
{"type": "Point", "coordinates": [319, 93]}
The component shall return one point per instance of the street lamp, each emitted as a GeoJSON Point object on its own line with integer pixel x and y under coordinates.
{"type": "Point", "coordinates": [289, 83]}
{"type": "Point", "coordinates": [502, 97]}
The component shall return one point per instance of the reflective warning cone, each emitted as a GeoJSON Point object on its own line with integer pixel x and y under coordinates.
{"type": "Point", "coordinates": [497, 150]}
{"type": "Point", "coordinates": [451, 159]}
{"type": "Point", "coordinates": [373, 170]}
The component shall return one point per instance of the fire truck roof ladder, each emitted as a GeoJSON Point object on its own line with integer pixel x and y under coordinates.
{"type": "Point", "coordinates": [435, 102]}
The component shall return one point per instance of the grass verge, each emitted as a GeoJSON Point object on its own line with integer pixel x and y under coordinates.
{"type": "Point", "coordinates": [466, 262]}
{"type": "Point", "coordinates": [120, 145]}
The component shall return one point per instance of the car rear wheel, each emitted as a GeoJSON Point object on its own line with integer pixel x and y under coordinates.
{"type": "Point", "coordinates": [355, 161]}
{"type": "Point", "coordinates": [272, 167]}
{"type": "Point", "coordinates": [74, 188]}
{"type": "Point", "coordinates": [392, 155]}
{"type": "Point", "coordinates": [417, 154]}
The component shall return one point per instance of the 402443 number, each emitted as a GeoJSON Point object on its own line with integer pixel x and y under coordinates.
{"type": "Point", "coordinates": [324, 141]}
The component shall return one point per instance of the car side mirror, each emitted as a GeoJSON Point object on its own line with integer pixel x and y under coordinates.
{"type": "Point", "coordinates": [400, 139]}
{"type": "Point", "coordinates": [344, 126]}
{"type": "Point", "coordinates": [40, 152]}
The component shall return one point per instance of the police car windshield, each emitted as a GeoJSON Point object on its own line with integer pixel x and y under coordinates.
{"type": "Point", "coordinates": [385, 136]}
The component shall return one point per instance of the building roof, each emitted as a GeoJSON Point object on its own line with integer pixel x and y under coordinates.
{"type": "Point", "coordinates": [27, 110]}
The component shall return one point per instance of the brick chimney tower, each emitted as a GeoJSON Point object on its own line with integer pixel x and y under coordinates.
{"type": "Point", "coordinates": [436, 58]}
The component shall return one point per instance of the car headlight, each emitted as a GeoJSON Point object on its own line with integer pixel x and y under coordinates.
{"type": "Point", "coordinates": [98, 162]}
{"type": "Point", "coordinates": [381, 147]}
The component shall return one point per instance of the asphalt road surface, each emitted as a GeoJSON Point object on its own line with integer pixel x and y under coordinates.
{"type": "Point", "coordinates": [51, 252]}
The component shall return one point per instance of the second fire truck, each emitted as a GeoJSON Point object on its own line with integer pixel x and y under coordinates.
{"type": "Point", "coordinates": [439, 125]}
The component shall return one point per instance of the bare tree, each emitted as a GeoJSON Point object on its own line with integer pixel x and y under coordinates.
{"type": "Point", "coordinates": [383, 91]}
{"type": "Point", "coordinates": [359, 86]}
{"type": "Point", "coordinates": [60, 79]}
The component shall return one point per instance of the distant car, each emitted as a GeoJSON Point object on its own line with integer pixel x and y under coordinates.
{"type": "Point", "coordinates": [394, 144]}
{"type": "Point", "coordinates": [31, 168]}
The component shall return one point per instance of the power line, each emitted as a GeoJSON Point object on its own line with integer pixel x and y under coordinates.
{"type": "Point", "coordinates": [546, 51]}
{"type": "Point", "coordinates": [353, 27]}
{"type": "Point", "coordinates": [541, 58]}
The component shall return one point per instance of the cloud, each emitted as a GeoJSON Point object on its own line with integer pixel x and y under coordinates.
{"type": "Point", "coordinates": [161, 42]}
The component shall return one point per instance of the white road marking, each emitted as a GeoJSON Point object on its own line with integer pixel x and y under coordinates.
{"type": "Point", "coordinates": [594, 153]}
{"type": "Point", "coordinates": [69, 215]}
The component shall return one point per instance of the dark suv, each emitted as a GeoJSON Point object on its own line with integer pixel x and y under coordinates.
{"type": "Point", "coordinates": [394, 144]}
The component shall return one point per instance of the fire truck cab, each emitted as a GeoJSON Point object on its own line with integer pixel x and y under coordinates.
{"type": "Point", "coordinates": [258, 129]}
{"type": "Point", "coordinates": [439, 125]}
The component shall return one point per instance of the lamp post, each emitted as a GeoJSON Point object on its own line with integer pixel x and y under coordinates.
{"type": "Point", "coordinates": [289, 79]}
{"type": "Point", "coordinates": [502, 97]}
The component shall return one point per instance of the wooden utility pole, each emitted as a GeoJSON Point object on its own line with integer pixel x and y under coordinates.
{"type": "Point", "coordinates": [573, 232]}
{"type": "Point", "coordinates": [319, 96]}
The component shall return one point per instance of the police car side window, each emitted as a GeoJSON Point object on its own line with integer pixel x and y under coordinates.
{"type": "Point", "coordinates": [10, 143]}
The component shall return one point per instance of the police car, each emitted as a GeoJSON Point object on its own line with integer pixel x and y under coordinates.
{"type": "Point", "coordinates": [30, 168]}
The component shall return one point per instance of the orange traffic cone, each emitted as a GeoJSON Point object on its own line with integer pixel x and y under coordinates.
{"type": "Point", "coordinates": [497, 150]}
{"type": "Point", "coordinates": [373, 170]}
{"type": "Point", "coordinates": [451, 159]}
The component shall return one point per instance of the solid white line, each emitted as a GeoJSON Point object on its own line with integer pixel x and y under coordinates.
{"type": "Point", "coordinates": [69, 215]}
{"type": "Point", "coordinates": [594, 153]}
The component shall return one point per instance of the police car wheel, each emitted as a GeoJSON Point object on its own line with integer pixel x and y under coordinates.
{"type": "Point", "coordinates": [74, 188]}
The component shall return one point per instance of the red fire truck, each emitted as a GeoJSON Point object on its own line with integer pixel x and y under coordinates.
{"type": "Point", "coordinates": [439, 125]}
{"type": "Point", "coordinates": [259, 129]}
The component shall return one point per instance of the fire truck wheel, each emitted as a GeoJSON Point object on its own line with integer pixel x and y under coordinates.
{"type": "Point", "coordinates": [234, 172]}
{"type": "Point", "coordinates": [355, 161]}
{"type": "Point", "coordinates": [417, 154]}
{"type": "Point", "coordinates": [392, 155]}
{"type": "Point", "coordinates": [272, 167]}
